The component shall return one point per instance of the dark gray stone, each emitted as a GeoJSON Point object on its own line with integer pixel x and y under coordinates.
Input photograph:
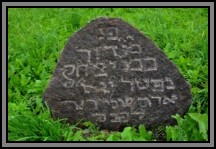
{"type": "Point", "coordinates": [113, 75]}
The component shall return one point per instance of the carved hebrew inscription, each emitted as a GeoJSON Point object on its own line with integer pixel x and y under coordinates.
{"type": "Point", "coordinates": [73, 78]}
{"type": "Point", "coordinates": [136, 106]}
{"type": "Point", "coordinates": [112, 74]}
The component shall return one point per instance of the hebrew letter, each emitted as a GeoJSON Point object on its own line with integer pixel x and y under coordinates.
{"type": "Point", "coordinates": [117, 52]}
{"type": "Point", "coordinates": [114, 104]}
{"type": "Point", "coordinates": [124, 117]}
{"type": "Point", "coordinates": [142, 84]}
{"type": "Point", "coordinates": [112, 33]}
{"type": "Point", "coordinates": [103, 88]}
{"type": "Point", "coordinates": [136, 65]}
{"type": "Point", "coordinates": [170, 84]}
{"type": "Point", "coordinates": [69, 84]}
{"type": "Point", "coordinates": [144, 102]}
{"type": "Point", "coordinates": [88, 53]}
{"type": "Point", "coordinates": [116, 118]}
{"type": "Point", "coordinates": [158, 85]}
{"type": "Point", "coordinates": [92, 102]}
{"type": "Point", "coordinates": [170, 100]}
{"type": "Point", "coordinates": [126, 66]}
{"type": "Point", "coordinates": [150, 64]}
{"type": "Point", "coordinates": [127, 102]}
{"type": "Point", "coordinates": [87, 88]}
{"type": "Point", "coordinates": [77, 106]}
{"type": "Point", "coordinates": [135, 48]}
{"type": "Point", "coordinates": [108, 33]}
{"type": "Point", "coordinates": [79, 66]}
{"type": "Point", "coordinates": [68, 72]}
{"type": "Point", "coordinates": [131, 83]}
{"type": "Point", "coordinates": [100, 117]}
{"type": "Point", "coordinates": [119, 117]}
{"type": "Point", "coordinates": [113, 64]}
{"type": "Point", "coordinates": [99, 70]}
{"type": "Point", "coordinates": [157, 98]}
{"type": "Point", "coordinates": [140, 114]}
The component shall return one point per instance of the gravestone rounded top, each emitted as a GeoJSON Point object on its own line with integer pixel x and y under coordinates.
{"type": "Point", "coordinates": [113, 75]}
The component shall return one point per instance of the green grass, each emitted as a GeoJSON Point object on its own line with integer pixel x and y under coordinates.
{"type": "Point", "coordinates": [36, 37]}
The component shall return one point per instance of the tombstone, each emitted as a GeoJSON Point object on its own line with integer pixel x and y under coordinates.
{"type": "Point", "coordinates": [113, 75]}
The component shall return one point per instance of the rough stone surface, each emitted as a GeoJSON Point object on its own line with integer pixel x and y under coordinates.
{"type": "Point", "coordinates": [113, 75]}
